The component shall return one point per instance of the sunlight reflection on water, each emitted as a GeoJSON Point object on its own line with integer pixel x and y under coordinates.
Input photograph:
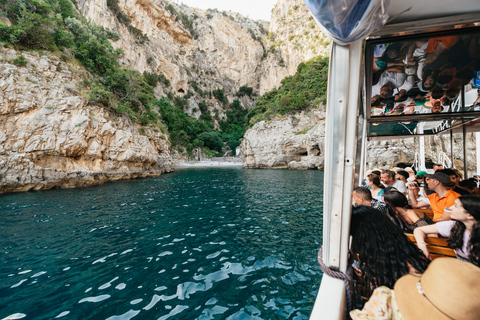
{"type": "Point", "coordinates": [195, 244]}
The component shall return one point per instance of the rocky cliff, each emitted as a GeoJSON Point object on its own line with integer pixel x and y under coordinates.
{"type": "Point", "coordinates": [200, 51]}
{"type": "Point", "coordinates": [50, 136]}
{"type": "Point", "coordinates": [296, 142]}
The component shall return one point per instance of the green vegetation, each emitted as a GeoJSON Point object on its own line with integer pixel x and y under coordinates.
{"type": "Point", "coordinates": [20, 61]}
{"type": "Point", "coordinates": [245, 91]}
{"type": "Point", "coordinates": [303, 90]}
{"type": "Point", "coordinates": [55, 26]}
{"type": "Point", "coordinates": [123, 18]}
{"type": "Point", "coordinates": [234, 127]}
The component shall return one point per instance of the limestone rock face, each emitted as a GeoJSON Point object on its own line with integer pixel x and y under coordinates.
{"type": "Point", "coordinates": [388, 153]}
{"type": "Point", "coordinates": [51, 137]}
{"type": "Point", "coordinates": [222, 50]}
{"type": "Point", "coordinates": [293, 38]}
{"type": "Point", "coordinates": [295, 142]}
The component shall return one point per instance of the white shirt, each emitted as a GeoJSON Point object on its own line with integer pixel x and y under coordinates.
{"type": "Point", "coordinates": [445, 228]}
{"type": "Point", "coordinates": [400, 186]}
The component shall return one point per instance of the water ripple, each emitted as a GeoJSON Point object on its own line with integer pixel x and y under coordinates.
{"type": "Point", "coordinates": [194, 244]}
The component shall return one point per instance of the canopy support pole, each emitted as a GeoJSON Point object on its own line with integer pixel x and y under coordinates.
{"type": "Point", "coordinates": [477, 142]}
{"type": "Point", "coordinates": [452, 154]}
{"type": "Point", "coordinates": [421, 153]}
{"type": "Point", "coordinates": [465, 162]}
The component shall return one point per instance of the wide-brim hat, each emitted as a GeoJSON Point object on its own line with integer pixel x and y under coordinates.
{"type": "Point", "coordinates": [448, 289]}
{"type": "Point", "coordinates": [440, 176]}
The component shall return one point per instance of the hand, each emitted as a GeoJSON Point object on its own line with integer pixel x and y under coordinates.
{"type": "Point", "coordinates": [358, 272]}
{"type": "Point", "coordinates": [423, 246]}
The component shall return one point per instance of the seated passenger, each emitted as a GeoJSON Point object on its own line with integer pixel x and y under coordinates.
{"type": "Point", "coordinates": [376, 188]}
{"type": "Point", "coordinates": [453, 178]}
{"type": "Point", "coordinates": [384, 251]}
{"type": "Point", "coordinates": [388, 179]}
{"type": "Point", "coordinates": [446, 290]}
{"type": "Point", "coordinates": [411, 218]}
{"type": "Point", "coordinates": [471, 186]}
{"type": "Point", "coordinates": [402, 175]}
{"type": "Point", "coordinates": [463, 230]}
{"type": "Point", "coordinates": [444, 196]}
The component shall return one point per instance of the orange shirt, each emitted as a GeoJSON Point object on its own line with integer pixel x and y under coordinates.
{"type": "Point", "coordinates": [439, 205]}
{"type": "Point", "coordinates": [448, 42]}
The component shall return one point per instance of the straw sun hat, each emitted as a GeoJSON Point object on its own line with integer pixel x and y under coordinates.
{"type": "Point", "coordinates": [448, 289]}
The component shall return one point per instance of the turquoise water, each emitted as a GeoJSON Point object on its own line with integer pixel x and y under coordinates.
{"type": "Point", "coordinates": [224, 243]}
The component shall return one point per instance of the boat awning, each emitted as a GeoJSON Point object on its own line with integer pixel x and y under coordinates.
{"type": "Point", "coordinates": [348, 21]}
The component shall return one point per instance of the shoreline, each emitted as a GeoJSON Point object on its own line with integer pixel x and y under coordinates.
{"type": "Point", "coordinates": [203, 164]}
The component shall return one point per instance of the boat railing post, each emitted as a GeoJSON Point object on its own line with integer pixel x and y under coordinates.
{"type": "Point", "coordinates": [477, 149]}
{"type": "Point", "coordinates": [343, 101]}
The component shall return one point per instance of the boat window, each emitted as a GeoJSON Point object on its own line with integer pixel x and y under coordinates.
{"type": "Point", "coordinates": [423, 84]}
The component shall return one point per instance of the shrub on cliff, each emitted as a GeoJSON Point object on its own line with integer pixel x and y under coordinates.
{"type": "Point", "coordinates": [305, 89]}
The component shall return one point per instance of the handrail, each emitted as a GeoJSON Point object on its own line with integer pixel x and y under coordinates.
{"type": "Point", "coordinates": [416, 162]}
{"type": "Point", "coordinates": [445, 160]}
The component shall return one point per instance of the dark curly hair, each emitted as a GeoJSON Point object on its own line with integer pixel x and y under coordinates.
{"type": "Point", "coordinates": [471, 204]}
{"type": "Point", "coordinates": [384, 251]}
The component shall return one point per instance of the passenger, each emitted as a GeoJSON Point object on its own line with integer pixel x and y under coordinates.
{"type": "Point", "coordinates": [411, 218]}
{"type": "Point", "coordinates": [429, 80]}
{"type": "Point", "coordinates": [420, 179]}
{"type": "Point", "coordinates": [444, 196]}
{"type": "Point", "coordinates": [363, 197]}
{"type": "Point", "coordinates": [393, 81]}
{"type": "Point", "coordinates": [436, 105]}
{"type": "Point", "coordinates": [385, 253]}
{"type": "Point", "coordinates": [402, 175]}
{"type": "Point", "coordinates": [437, 46]}
{"type": "Point", "coordinates": [419, 192]}
{"type": "Point", "coordinates": [411, 174]}
{"type": "Point", "coordinates": [471, 186]}
{"type": "Point", "coordinates": [388, 179]}
{"type": "Point", "coordinates": [463, 230]}
{"type": "Point", "coordinates": [376, 188]}
{"type": "Point", "coordinates": [437, 167]}
{"type": "Point", "coordinates": [446, 290]}
{"type": "Point", "coordinates": [453, 177]}
{"type": "Point", "coordinates": [458, 174]}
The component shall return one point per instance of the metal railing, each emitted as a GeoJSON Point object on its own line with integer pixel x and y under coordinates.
{"type": "Point", "coordinates": [444, 160]}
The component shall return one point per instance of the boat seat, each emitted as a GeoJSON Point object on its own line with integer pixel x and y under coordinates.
{"type": "Point", "coordinates": [428, 212]}
{"type": "Point", "coordinates": [438, 247]}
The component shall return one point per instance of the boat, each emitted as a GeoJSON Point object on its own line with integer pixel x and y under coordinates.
{"type": "Point", "coordinates": [356, 28]}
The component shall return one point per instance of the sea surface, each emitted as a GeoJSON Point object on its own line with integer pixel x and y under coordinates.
{"type": "Point", "coordinates": [203, 243]}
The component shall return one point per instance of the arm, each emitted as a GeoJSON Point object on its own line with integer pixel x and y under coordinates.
{"type": "Point", "coordinates": [420, 234]}
{"type": "Point", "coordinates": [407, 85]}
{"type": "Point", "coordinates": [413, 199]}
{"type": "Point", "coordinates": [445, 216]}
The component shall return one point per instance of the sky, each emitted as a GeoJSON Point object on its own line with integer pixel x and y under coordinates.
{"type": "Point", "coordinates": [254, 9]}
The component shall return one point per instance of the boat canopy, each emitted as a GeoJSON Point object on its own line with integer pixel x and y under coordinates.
{"type": "Point", "coordinates": [349, 20]}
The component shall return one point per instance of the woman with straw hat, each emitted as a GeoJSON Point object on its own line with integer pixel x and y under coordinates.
{"type": "Point", "coordinates": [448, 289]}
